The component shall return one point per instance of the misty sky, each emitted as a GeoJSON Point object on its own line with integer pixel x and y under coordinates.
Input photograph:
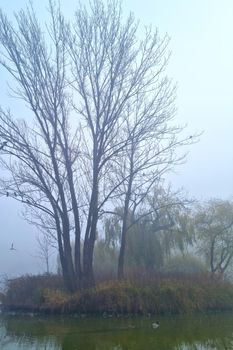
{"type": "Point", "coordinates": [202, 65]}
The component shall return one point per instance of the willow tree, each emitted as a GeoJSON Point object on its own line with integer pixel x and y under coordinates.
{"type": "Point", "coordinates": [82, 82]}
{"type": "Point", "coordinates": [214, 234]}
{"type": "Point", "coordinates": [151, 152]}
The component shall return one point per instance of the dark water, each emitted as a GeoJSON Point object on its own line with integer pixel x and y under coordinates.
{"type": "Point", "coordinates": [190, 332]}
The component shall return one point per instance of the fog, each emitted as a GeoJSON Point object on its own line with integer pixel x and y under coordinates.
{"type": "Point", "coordinates": [201, 63]}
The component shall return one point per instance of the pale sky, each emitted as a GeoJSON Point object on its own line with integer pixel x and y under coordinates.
{"type": "Point", "coordinates": [201, 34]}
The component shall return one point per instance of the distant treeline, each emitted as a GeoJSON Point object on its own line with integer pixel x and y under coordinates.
{"type": "Point", "coordinates": [193, 239]}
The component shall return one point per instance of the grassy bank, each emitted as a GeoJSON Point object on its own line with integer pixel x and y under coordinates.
{"type": "Point", "coordinates": [163, 295]}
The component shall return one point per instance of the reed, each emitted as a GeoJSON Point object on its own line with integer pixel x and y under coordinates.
{"type": "Point", "coordinates": [152, 294]}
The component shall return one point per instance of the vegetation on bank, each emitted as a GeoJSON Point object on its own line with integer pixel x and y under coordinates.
{"type": "Point", "coordinates": [101, 134]}
{"type": "Point", "coordinates": [155, 295]}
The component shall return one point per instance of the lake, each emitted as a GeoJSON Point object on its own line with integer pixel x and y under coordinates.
{"type": "Point", "coordinates": [199, 332]}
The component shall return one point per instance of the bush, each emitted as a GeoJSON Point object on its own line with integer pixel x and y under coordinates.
{"type": "Point", "coordinates": [158, 295]}
{"type": "Point", "coordinates": [27, 291]}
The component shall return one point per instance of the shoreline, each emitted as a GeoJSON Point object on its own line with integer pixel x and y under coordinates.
{"type": "Point", "coordinates": [165, 296]}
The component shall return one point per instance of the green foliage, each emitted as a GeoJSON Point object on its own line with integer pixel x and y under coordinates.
{"type": "Point", "coordinates": [105, 259]}
{"type": "Point", "coordinates": [185, 264]}
{"type": "Point", "coordinates": [161, 227]}
{"type": "Point", "coordinates": [112, 229]}
{"type": "Point", "coordinates": [143, 248]}
{"type": "Point", "coordinates": [214, 234]}
{"type": "Point", "coordinates": [180, 236]}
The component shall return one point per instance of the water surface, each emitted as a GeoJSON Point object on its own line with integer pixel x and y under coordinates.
{"type": "Point", "coordinates": [202, 332]}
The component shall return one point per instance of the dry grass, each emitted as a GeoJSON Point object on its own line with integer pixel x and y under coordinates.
{"type": "Point", "coordinates": [138, 294]}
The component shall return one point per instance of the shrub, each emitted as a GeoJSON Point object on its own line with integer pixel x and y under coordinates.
{"type": "Point", "coordinates": [27, 291]}
{"type": "Point", "coordinates": [157, 295]}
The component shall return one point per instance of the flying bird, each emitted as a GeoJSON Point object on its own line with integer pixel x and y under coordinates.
{"type": "Point", "coordinates": [12, 247]}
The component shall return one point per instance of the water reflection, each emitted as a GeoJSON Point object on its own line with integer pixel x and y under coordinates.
{"type": "Point", "coordinates": [175, 333]}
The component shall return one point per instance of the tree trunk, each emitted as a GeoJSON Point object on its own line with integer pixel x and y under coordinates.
{"type": "Point", "coordinates": [90, 235]}
{"type": "Point", "coordinates": [68, 277]}
{"type": "Point", "coordinates": [121, 259]}
{"type": "Point", "coordinates": [66, 263]}
{"type": "Point", "coordinates": [88, 280]}
{"type": "Point", "coordinates": [77, 262]}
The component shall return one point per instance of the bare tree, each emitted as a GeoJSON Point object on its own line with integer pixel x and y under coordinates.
{"type": "Point", "coordinates": [38, 153]}
{"type": "Point", "coordinates": [98, 95]}
{"type": "Point", "coordinates": [151, 153]}
{"type": "Point", "coordinates": [127, 103]}
{"type": "Point", "coordinates": [45, 249]}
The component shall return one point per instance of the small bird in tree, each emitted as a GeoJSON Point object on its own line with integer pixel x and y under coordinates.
{"type": "Point", "coordinates": [12, 247]}
{"type": "Point", "coordinates": [7, 194]}
{"type": "Point", "coordinates": [3, 145]}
